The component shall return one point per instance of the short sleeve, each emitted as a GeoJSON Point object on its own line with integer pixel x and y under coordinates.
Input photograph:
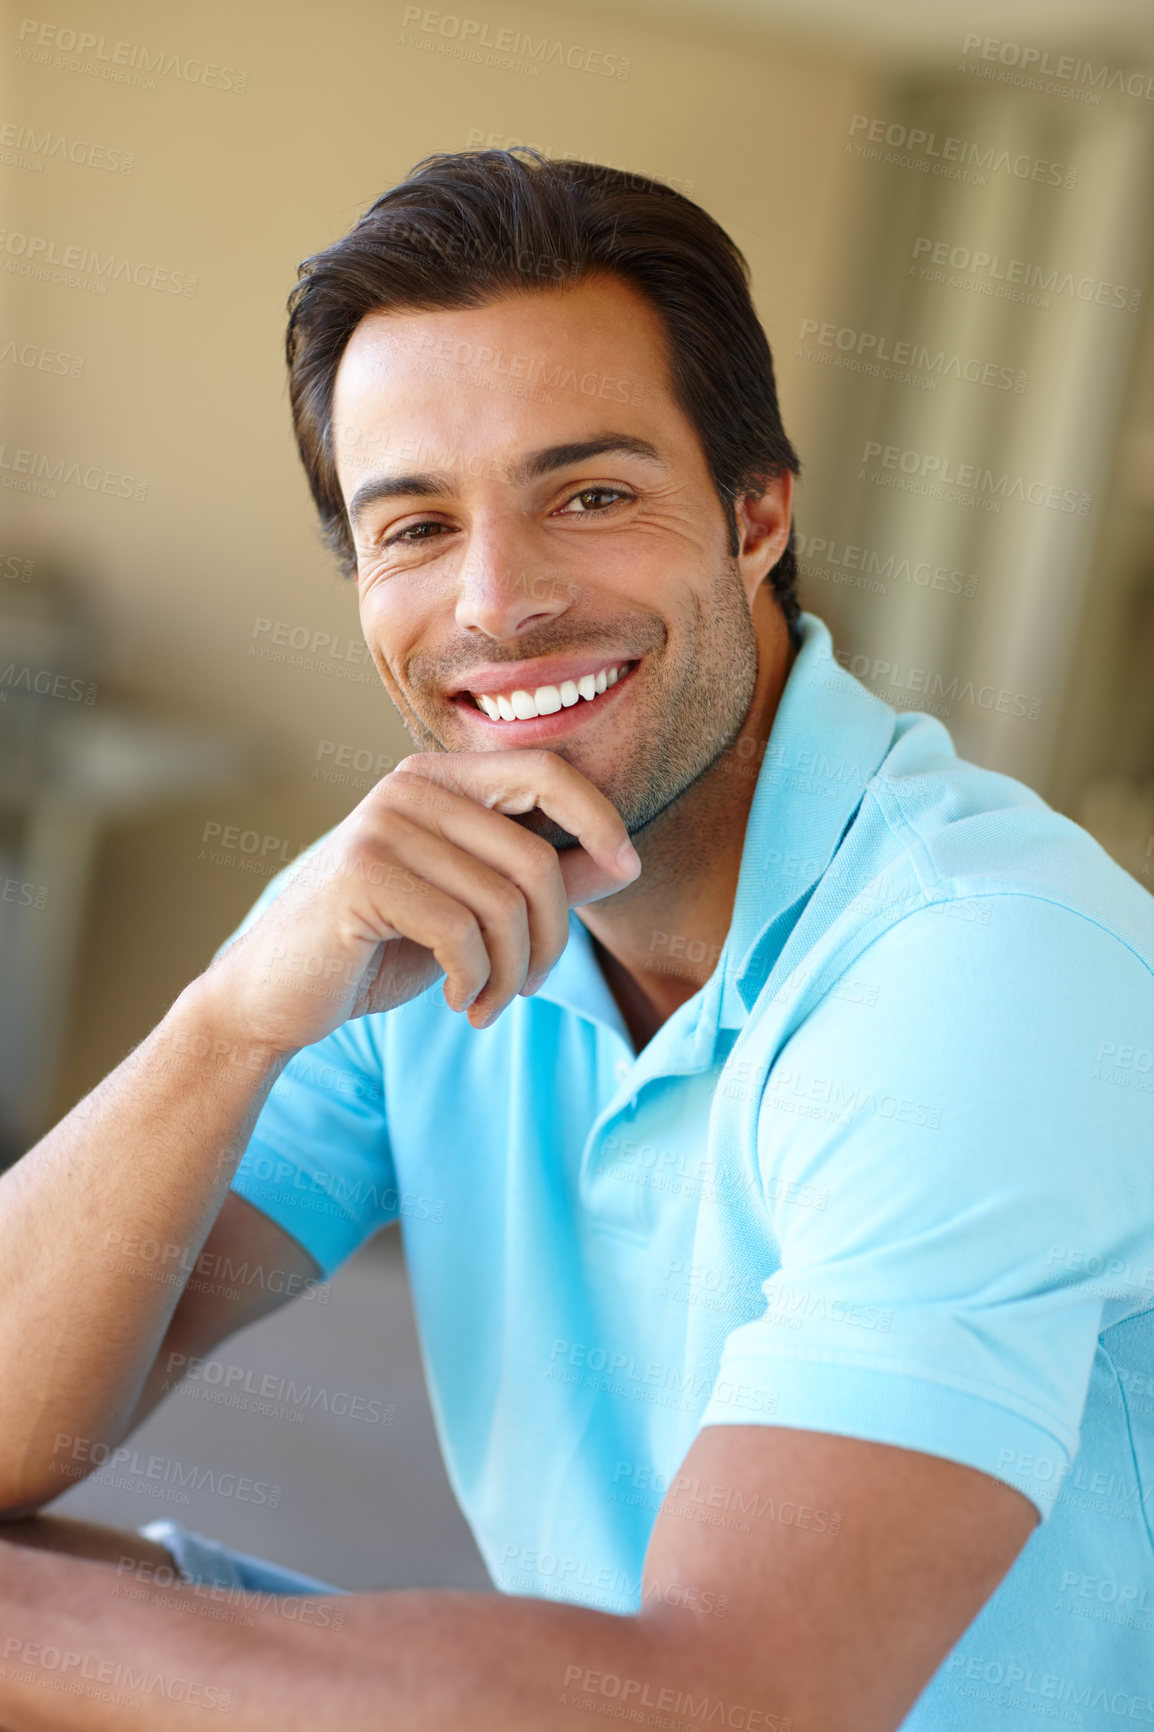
{"type": "Point", "coordinates": [985, 1161]}
{"type": "Point", "coordinates": [318, 1162]}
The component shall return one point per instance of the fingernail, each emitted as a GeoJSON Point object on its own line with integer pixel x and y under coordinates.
{"type": "Point", "coordinates": [628, 858]}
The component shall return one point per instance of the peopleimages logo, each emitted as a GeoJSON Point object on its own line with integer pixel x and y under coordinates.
{"type": "Point", "coordinates": [39, 359]}
{"type": "Point", "coordinates": [926, 151]}
{"type": "Point", "coordinates": [47, 683]}
{"type": "Point", "coordinates": [26, 1661]}
{"type": "Point", "coordinates": [1055, 1696]}
{"type": "Point", "coordinates": [36, 252]}
{"type": "Point", "coordinates": [119, 62]}
{"type": "Point", "coordinates": [472, 34]}
{"type": "Point", "coordinates": [278, 1397]}
{"type": "Point", "coordinates": [908, 362]}
{"type": "Point", "coordinates": [1037, 64]}
{"type": "Point", "coordinates": [1019, 278]}
{"type": "Point", "coordinates": [869, 568]}
{"type": "Point", "coordinates": [37, 472]}
{"type": "Point", "coordinates": [927, 683]}
{"type": "Point", "coordinates": [631, 1694]}
{"type": "Point", "coordinates": [971, 479]}
{"type": "Point", "coordinates": [123, 1461]}
{"type": "Point", "coordinates": [23, 146]}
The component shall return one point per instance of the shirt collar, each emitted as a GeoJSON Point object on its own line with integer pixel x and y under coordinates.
{"type": "Point", "coordinates": [829, 737]}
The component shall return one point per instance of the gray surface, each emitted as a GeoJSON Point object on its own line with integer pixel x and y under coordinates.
{"type": "Point", "coordinates": [363, 1504]}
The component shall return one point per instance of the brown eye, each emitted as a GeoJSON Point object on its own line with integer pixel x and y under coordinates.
{"type": "Point", "coordinates": [611, 493]}
{"type": "Point", "coordinates": [403, 534]}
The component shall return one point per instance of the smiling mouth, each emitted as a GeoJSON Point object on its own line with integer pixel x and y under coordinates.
{"type": "Point", "coordinates": [521, 705]}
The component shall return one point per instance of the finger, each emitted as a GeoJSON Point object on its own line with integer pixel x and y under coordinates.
{"type": "Point", "coordinates": [585, 880]}
{"type": "Point", "coordinates": [517, 781]}
{"type": "Point", "coordinates": [423, 913]}
{"type": "Point", "coordinates": [496, 902]}
{"type": "Point", "coordinates": [479, 834]}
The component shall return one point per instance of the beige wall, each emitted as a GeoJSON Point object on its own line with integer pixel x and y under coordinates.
{"type": "Point", "coordinates": [186, 390]}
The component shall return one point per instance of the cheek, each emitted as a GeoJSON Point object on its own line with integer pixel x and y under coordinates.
{"type": "Point", "coordinates": [380, 603]}
{"type": "Point", "coordinates": [376, 628]}
{"type": "Point", "coordinates": [391, 626]}
{"type": "Point", "coordinates": [666, 550]}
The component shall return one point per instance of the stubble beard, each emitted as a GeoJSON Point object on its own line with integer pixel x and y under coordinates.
{"type": "Point", "coordinates": [680, 726]}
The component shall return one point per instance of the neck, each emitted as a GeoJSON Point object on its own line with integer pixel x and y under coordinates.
{"type": "Point", "coordinates": [659, 939]}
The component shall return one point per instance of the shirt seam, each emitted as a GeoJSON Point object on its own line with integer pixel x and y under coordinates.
{"type": "Point", "coordinates": [906, 831]}
{"type": "Point", "coordinates": [903, 833]}
{"type": "Point", "coordinates": [974, 1390]}
{"type": "Point", "coordinates": [1138, 1474]}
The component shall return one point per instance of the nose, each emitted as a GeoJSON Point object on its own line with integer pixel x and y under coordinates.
{"type": "Point", "coordinates": [504, 591]}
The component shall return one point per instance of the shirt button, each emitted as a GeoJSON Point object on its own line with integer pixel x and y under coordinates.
{"type": "Point", "coordinates": [621, 1069]}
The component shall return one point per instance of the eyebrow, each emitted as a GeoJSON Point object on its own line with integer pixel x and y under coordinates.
{"type": "Point", "coordinates": [531, 467]}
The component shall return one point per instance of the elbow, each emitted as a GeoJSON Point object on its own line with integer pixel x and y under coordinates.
{"type": "Point", "coordinates": [16, 1506]}
{"type": "Point", "coordinates": [26, 1486]}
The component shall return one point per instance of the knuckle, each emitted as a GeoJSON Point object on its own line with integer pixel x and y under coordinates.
{"type": "Point", "coordinates": [415, 764]}
{"type": "Point", "coordinates": [508, 900]}
{"type": "Point", "coordinates": [490, 793]}
{"type": "Point", "coordinates": [361, 850]}
{"type": "Point", "coordinates": [458, 924]}
{"type": "Point", "coordinates": [540, 857]}
{"type": "Point", "coordinates": [395, 830]}
{"type": "Point", "coordinates": [406, 779]}
{"type": "Point", "coordinates": [540, 758]}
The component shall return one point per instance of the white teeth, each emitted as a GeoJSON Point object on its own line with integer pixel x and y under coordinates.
{"type": "Point", "coordinates": [547, 700]}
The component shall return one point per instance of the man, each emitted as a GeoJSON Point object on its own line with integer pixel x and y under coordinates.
{"type": "Point", "coordinates": [776, 1185]}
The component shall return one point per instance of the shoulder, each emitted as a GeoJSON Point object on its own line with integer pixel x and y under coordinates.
{"type": "Point", "coordinates": [999, 975]}
{"type": "Point", "coordinates": [947, 844]}
{"type": "Point", "coordinates": [996, 1047]}
{"type": "Point", "coordinates": [969, 831]}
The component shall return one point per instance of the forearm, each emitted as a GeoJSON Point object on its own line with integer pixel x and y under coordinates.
{"type": "Point", "coordinates": [100, 1226]}
{"type": "Point", "coordinates": [416, 1661]}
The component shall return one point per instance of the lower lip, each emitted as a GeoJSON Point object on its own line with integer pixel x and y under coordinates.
{"type": "Point", "coordinates": [562, 721]}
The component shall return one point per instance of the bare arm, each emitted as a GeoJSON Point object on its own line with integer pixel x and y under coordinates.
{"type": "Point", "coordinates": [103, 1222]}
{"type": "Point", "coordinates": [234, 1288]}
{"type": "Point", "coordinates": [101, 1226]}
{"type": "Point", "coordinates": [822, 1629]}
{"type": "Point", "coordinates": [241, 1254]}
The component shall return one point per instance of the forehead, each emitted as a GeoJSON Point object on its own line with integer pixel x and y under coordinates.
{"type": "Point", "coordinates": [586, 347]}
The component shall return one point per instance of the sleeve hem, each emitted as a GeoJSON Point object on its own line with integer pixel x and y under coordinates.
{"type": "Point", "coordinates": [292, 1197]}
{"type": "Point", "coordinates": [903, 1409]}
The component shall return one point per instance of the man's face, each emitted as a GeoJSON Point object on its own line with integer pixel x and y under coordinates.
{"type": "Point", "coordinates": [496, 556]}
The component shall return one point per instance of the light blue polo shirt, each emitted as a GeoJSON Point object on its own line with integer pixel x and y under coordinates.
{"type": "Point", "coordinates": [889, 1174]}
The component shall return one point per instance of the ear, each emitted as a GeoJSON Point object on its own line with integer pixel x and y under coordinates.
{"type": "Point", "coordinates": [763, 531]}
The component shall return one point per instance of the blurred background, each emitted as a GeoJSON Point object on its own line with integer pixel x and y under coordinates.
{"type": "Point", "coordinates": [947, 211]}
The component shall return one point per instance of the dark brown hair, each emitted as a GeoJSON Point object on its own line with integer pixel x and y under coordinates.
{"type": "Point", "coordinates": [468, 226]}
